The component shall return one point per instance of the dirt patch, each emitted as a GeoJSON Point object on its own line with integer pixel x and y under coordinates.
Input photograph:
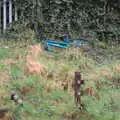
{"type": "Point", "coordinates": [6, 115]}
{"type": "Point", "coordinates": [26, 89]}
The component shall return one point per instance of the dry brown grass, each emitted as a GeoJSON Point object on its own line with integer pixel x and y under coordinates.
{"type": "Point", "coordinates": [24, 90]}
{"type": "Point", "coordinates": [32, 65]}
{"type": "Point", "coordinates": [6, 117]}
{"type": "Point", "coordinates": [92, 76]}
{"type": "Point", "coordinates": [116, 68]}
{"type": "Point", "coordinates": [5, 114]}
{"type": "Point", "coordinates": [8, 61]}
{"type": "Point", "coordinates": [35, 51]}
{"type": "Point", "coordinates": [105, 72]}
{"type": "Point", "coordinates": [4, 78]}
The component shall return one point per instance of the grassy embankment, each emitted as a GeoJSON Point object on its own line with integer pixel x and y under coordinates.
{"type": "Point", "coordinates": [50, 96]}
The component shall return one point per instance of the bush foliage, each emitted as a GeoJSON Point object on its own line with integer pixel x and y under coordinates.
{"type": "Point", "coordinates": [88, 19]}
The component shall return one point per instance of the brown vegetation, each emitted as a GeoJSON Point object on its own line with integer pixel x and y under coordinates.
{"type": "Point", "coordinates": [32, 65]}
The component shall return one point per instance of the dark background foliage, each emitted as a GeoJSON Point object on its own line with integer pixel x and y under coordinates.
{"type": "Point", "coordinates": [88, 19]}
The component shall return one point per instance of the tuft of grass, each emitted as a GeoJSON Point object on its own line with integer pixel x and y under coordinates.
{"type": "Point", "coordinates": [4, 52]}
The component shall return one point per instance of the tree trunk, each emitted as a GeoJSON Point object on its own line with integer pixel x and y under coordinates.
{"type": "Point", "coordinates": [4, 16]}
{"type": "Point", "coordinates": [10, 11]}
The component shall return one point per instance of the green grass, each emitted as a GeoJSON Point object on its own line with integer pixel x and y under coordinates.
{"type": "Point", "coordinates": [44, 97]}
{"type": "Point", "coordinates": [4, 53]}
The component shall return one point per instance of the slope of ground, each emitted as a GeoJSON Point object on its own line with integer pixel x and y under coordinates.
{"type": "Point", "coordinates": [49, 95]}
